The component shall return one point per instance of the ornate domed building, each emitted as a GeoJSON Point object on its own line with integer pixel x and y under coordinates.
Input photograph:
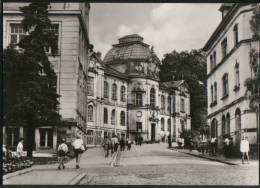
{"type": "Point", "coordinates": [132, 100]}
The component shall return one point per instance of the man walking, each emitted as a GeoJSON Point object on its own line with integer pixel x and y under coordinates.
{"type": "Point", "coordinates": [79, 148]}
{"type": "Point", "coordinates": [244, 149]}
{"type": "Point", "coordinates": [62, 152]}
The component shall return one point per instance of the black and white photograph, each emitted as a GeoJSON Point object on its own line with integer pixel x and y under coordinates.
{"type": "Point", "coordinates": [130, 93]}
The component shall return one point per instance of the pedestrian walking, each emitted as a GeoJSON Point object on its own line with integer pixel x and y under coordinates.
{"type": "Point", "coordinates": [230, 147]}
{"type": "Point", "coordinates": [62, 152]}
{"type": "Point", "coordinates": [244, 149]}
{"type": "Point", "coordinates": [129, 143]}
{"type": "Point", "coordinates": [79, 148]}
{"type": "Point", "coordinates": [209, 144]}
{"type": "Point", "coordinates": [19, 149]}
{"type": "Point", "coordinates": [213, 143]}
{"type": "Point", "coordinates": [107, 145]}
{"type": "Point", "coordinates": [226, 146]}
{"type": "Point", "coordinates": [140, 140]}
{"type": "Point", "coordinates": [169, 140]}
{"type": "Point", "coordinates": [116, 143]}
{"type": "Point", "coordinates": [190, 143]}
{"type": "Point", "coordinates": [122, 144]}
{"type": "Point", "coordinates": [203, 144]}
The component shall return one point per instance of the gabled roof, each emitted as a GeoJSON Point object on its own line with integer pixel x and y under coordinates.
{"type": "Point", "coordinates": [174, 84]}
{"type": "Point", "coordinates": [222, 25]}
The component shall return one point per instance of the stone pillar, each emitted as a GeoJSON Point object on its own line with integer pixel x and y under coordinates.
{"type": "Point", "coordinates": [37, 138]}
{"type": "Point", "coordinates": [21, 132]}
{"type": "Point", "coordinates": [4, 136]}
{"type": "Point", "coordinates": [55, 137]}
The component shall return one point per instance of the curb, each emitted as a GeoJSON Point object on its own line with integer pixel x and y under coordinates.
{"type": "Point", "coordinates": [205, 157]}
{"type": "Point", "coordinates": [17, 173]}
{"type": "Point", "coordinates": [77, 179]}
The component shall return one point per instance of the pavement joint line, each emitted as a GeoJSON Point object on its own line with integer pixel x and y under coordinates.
{"type": "Point", "coordinates": [17, 173]}
{"type": "Point", "coordinates": [78, 178]}
{"type": "Point", "coordinates": [206, 157]}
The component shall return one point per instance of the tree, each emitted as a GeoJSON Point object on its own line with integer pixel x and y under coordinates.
{"type": "Point", "coordinates": [191, 67]}
{"type": "Point", "coordinates": [31, 80]}
{"type": "Point", "coordinates": [253, 83]}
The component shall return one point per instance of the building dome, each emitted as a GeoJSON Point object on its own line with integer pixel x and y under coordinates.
{"type": "Point", "coordinates": [129, 47]}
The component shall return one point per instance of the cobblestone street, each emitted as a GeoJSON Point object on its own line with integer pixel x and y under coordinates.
{"type": "Point", "coordinates": [155, 164]}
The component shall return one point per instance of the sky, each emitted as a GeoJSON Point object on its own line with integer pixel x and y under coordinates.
{"type": "Point", "coordinates": [166, 26]}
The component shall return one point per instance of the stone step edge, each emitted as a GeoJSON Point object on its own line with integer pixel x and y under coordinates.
{"type": "Point", "coordinates": [77, 179]}
{"type": "Point", "coordinates": [17, 173]}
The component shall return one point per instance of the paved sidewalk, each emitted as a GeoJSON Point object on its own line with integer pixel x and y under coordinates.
{"type": "Point", "coordinates": [49, 175]}
{"type": "Point", "coordinates": [218, 158]}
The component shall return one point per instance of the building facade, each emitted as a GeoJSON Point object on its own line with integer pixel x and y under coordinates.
{"type": "Point", "coordinates": [127, 98]}
{"type": "Point", "coordinates": [70, 22]}
{"type": "Point", "coordinates": [228, 67]}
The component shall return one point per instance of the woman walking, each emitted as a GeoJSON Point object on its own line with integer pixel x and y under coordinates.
{"type": "Point", "coordinates": [79, 148]}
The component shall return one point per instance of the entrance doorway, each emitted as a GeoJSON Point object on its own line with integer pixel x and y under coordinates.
{"type": "Point", "coordinates": [153, 132]}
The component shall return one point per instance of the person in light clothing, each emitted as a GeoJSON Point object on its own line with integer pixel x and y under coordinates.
{"type": "Point", "coordinates": [19, 148]}
{"type": "Point", "coordinates": [244, 149]}
{"type": "Point", "coordinates": [62, 152]}
{"type": "Point", "coordinates": [79, 148]}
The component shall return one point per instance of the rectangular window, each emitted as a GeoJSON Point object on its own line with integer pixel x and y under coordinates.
{"type": "Point", "coordinates": [139, 127]}
{"type": "Point", "coordinates": [224, 47]}
{"type": "Point", "coordinates": [138, 99]}
{"type": "Point", "coordinates": [225, 85]}
{"type": "Point", "coordinates": [215, 91]}
{"type": "Point", "coordinates": [212, 93]}
{"type": "Point", "coordinates": [235, 30]}
{"type": "Point", "coordinates": [214, 59]}
{"type": "Point", "coordinates": [46, 137]}
{"type": "Point", "coordinates": [90, 86]}
{"type": "Point", "coordinates": [17, 33]}
{"type": "Point", "coordinates": [12, 136]}
{"type": "Point", "coordinates": [182, 105]}
{"type": "Point", "coordinates": [211, 62]}
{"type": "Point", "coordinates": [53, 28]}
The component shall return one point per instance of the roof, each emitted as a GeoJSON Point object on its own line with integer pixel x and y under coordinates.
{"type": "Point", "coordinates": [129, 47]}
{"type": "Point", "coordinates": [221, 26]}
{"type": "Point", "coordinates": [110, 71]}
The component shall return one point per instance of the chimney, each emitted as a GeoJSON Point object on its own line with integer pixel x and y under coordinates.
{"type": "Point", "coordinates": [224, 8]}
{"type": "Point", "coordinates": [99, 54]}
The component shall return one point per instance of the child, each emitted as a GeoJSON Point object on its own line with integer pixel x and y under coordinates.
{"type": "Point", "coordinates": [62, 152]}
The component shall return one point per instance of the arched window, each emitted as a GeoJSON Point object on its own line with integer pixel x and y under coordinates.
{"type": "Point", "coordinates": [114, 91]}
{"type": "Point", "coordinates": [169, 125]}
{"type": "Point", "coordinates": [105, 116]}
{"type": "Point", "coordinates": [238, 119]}
{"type": "Point", "coordinates": [152, 97]}
{"type": "Point", "coordinates": [162, 124]}
{"type": "Point", "coordinates": [223, 126]}
{"type": "Point", "coordinates": [122, 93]}
{"type": "Point", "coordinates": [90, 113]}
{"type": "Point", "coordinates": [169, 104]}
{"type": "Point", "coordinates": [106, 90]}
{"type": "Point", "coordinates": [113, 117]}
{"type": "Point", "coordinates": [225, 84]}
{"type": "Point", "coordinates": [162, 103]}
{"type": "Point", "coordinates": [214, 128]}
{"type": "Point", "coordinates": [227, 126]}
{"type": "Point", "coordinates": [122, 118]}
